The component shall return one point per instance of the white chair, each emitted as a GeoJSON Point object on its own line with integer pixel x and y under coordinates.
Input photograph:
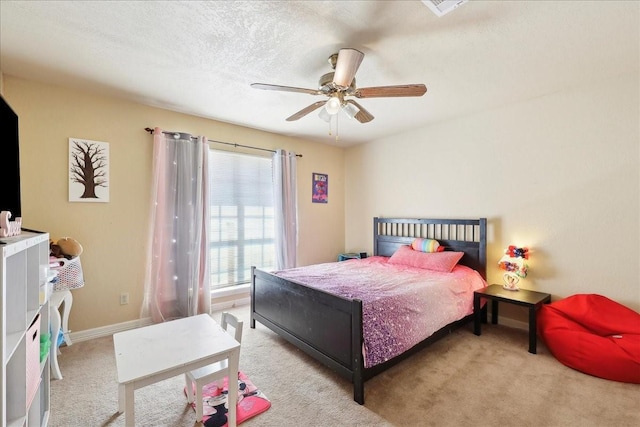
{"type": "Point", "coordinates": [200, 377]}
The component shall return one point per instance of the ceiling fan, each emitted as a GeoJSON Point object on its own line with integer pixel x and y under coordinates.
{"type": "Point", "coordinates": [341, 83]}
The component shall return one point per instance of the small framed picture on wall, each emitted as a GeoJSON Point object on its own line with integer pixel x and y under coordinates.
{"type": "Point", "coordinates": [320, 189]}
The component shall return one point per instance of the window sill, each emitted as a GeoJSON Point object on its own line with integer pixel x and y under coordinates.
{"type": "Point", "coordinates": [232, 296]}
{"type": "Point", "coordinates": [230, 291]}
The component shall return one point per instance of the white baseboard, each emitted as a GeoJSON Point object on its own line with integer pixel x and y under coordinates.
{"type": "Point", "coordinates": [506, 321]}
{"type": "Point", "coordinates": [104, 331]}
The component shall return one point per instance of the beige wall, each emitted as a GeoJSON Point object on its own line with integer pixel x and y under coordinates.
{"type": "Point", "coordinates": [114, 234]}
{"type": "Point", "coordinates": [559, 173]}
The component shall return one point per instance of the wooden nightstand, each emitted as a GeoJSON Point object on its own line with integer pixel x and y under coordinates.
{"type": "Point", "coordinates": [523, 297]}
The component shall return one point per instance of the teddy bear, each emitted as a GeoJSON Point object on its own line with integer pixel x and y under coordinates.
{"type": "Point", "coordinates": [66, 247]}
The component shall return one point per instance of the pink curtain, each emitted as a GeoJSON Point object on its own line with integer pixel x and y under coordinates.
{"type": "Point", "coordinates": [177, 277]}
{"type": "Point", "coordinates": [286, 208]}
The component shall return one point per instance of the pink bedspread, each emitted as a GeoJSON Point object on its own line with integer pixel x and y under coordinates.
{"type": "Point", "coordinates": [401, 305]}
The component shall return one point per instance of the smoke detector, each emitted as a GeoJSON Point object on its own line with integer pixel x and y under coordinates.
{"type": "Point", "coordinates": [442, 7]}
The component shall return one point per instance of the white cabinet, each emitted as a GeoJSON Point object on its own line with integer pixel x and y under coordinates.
{"type": "Point", "coordinates": [24, 315]}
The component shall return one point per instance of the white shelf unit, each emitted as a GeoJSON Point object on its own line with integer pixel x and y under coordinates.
{"type": "Point", "coordinates": [24, 260]}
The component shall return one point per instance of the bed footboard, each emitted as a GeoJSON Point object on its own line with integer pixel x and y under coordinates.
{"type": "Point", "coordinates": [325, 326]}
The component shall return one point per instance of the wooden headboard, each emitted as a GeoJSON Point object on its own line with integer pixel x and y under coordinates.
{"type": "Point", "coordinates": [461, 235]}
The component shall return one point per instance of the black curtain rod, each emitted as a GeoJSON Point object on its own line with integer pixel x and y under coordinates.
{"type": "Point", "coordinates": [220, 142]}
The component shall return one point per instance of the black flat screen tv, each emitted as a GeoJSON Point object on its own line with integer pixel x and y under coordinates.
{"type": "Point", "coordinates": [9, 161]}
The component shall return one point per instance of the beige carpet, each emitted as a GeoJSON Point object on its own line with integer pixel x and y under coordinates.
{"type": "Point", "coordinates": [462, 380]}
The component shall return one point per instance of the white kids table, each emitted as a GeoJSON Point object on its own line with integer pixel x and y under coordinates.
{"type": "Point", "coordinates": [155, 353]}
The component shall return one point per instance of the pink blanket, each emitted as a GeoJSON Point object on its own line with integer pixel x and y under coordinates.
{"type": "Point", "coordinates": [401, 305]}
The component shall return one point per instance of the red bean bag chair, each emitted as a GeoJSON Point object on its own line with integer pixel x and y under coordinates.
{"type": "Point", "coordinates": [594, 335]}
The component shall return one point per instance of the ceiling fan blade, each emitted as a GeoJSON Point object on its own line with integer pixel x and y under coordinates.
{"type": "Point", "coordinates": [363, 116]}
{"type": "Point", "coordinates": [346, 66]}
{"type": "Point", "coordinates": [391, 91]}
{"type": "Point", "coordinates": [265, 86]}
{"type": "Point", "coordinates": [306, 111]}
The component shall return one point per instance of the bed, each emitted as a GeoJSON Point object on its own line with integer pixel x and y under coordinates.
{"type": "Point", "coordinates": [329, 327]}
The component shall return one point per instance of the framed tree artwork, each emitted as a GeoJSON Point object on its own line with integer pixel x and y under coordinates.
{"type": "Point", "coordinates": [88, 171]}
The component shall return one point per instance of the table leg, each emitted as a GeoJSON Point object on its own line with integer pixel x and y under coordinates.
{"type": "Point", "coordinates": [59, 299]}
{"type": "Point", "coordinates": [533, 339]}
{"type": "Point", "coordinates": [120, 398]}
{"type": "Point", "coordinates": [233, 362]}
{"type": "Point", "coordinates": [125, 398]}
{"type": "Point", "coordinates": [68, 302]}
{"type": "Point", "coordinates": [53, 349]}
{"type": "Point", "coordinates": [494, 312]}
{"type": "Point", "coordinates": [477, 316]}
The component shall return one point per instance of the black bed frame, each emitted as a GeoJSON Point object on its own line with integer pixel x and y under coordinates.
{"type": "Point", "coordinates": [329, 327]}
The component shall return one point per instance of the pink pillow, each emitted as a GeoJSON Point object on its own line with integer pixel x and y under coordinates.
{"type": "Point", "coordinates": [437, 261]}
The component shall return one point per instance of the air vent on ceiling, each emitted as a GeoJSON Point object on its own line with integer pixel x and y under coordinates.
{"type": "Point", "coordinates": [442, 7]}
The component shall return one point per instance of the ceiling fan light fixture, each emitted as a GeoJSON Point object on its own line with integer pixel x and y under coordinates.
{"type": "Point", "coordinates": [324, 115]}
{"type": "Point", "coordinates": [350, 109]}
{"type": "Point", "coordinates": [332, 106]}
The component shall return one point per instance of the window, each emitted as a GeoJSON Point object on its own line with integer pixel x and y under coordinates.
{"type": "Point", "coordinates": [242, 225]}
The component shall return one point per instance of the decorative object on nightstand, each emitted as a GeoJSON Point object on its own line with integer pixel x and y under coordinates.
{"type": "Point", "coordinates": [513, 262]}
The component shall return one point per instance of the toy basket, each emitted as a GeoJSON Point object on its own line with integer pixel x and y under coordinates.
{"type": "Point", "coordinates": [69, 274]}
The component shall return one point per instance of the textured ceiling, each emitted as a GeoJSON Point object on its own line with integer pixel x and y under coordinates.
{"type": "Point", "coordinates": [200, 57]}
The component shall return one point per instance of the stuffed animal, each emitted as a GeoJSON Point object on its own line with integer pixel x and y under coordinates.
{"type": "Point", "coordinates": [68, 247]}
{"type": "Point", "coordinates": [54, 250]}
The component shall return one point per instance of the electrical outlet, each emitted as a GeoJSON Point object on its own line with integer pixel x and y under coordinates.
{"type": "Point", "coordinates": [124, 299]}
